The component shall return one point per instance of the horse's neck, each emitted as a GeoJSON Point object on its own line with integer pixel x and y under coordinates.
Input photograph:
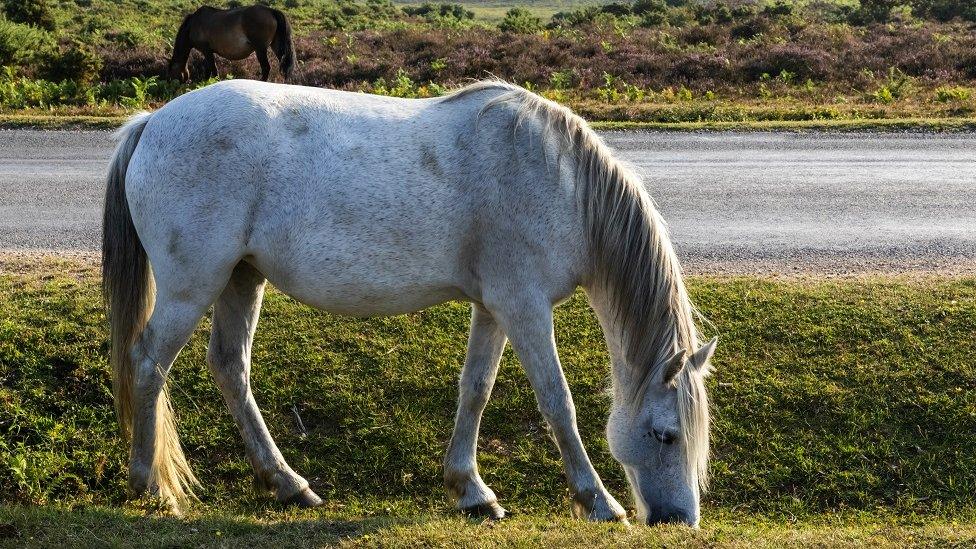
{"type": "Point", "coordinates": [182, 45]}
{"type": "Point", "coordinates": [613, 334]}
{"type": "Point", "coordinates": [626, 376]}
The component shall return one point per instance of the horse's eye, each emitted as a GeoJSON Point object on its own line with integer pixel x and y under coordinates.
{"type": "Point", "coordinates": [667, 437]}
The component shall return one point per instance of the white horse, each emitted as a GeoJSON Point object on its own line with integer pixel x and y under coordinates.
{"type": "Point", "coordinates": [364, 205]}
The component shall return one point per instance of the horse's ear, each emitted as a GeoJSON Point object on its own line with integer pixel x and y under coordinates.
{"type": "Point", "coordinates": [700, 360]}
{"type": "Point", "coordinates": [673, 365]}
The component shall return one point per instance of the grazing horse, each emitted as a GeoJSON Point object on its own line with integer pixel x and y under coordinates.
{"type": "Point", "coordinates": [233, 34]}
{"type": "Point", "coordinates": [365, 205]}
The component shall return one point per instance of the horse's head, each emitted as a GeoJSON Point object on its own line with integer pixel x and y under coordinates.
{"type": "Point", "coordinates": [661, 438]}
{"type": "Point", "coordinates": [177, 71]}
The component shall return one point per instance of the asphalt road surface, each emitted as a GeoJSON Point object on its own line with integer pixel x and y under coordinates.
{"type": "Point", "coordinates": [736, 202]}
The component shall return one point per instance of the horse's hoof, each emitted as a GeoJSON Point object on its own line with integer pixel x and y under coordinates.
{"type": "Point", "coordinates": [305, 498]}
{"type": "Point", "coordinates": [490, 510]}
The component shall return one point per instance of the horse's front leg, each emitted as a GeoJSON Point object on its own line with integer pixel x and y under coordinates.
{"type": "Point", "coordinates": [528, 323]}
{"type": "Point", "coordinates": [211, 61]}
{"type": "Point", "coordinates": [485, 345]}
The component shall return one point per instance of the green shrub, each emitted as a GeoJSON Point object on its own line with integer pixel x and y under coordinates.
{"type": "Point", "coordinates": [39, 13]}
{"type": "Point", "coordinates": [651, 12]}
{"type": "Point", "coordinates": [353, 15]}
{"type": "Point", "coordinates": [76, 61]}
{"type": "Point", "coordinates": [946, 10]}
{"type": "Point", "coordinates": [22, 44]}
{"type": "Point", "coordinates": [520, 20]}
{"type": "Point", "coordinates": [433, 12]}
{"type": "Point", "coordinates": [947, 94]}
{"type": "Point", "coordinates": [780, 8]}
{"type": "Point", "coordinates": [18, 92]}
{"type": "Point", "coordinates": [874, 11]}
{"type": "Point", "coordinates": [883, 95]}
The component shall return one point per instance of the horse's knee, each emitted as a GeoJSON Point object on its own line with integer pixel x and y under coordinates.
{"type": "Point", "coordinates": [150, 376]}
{"type": "Point", "coordinates": [228, 368]}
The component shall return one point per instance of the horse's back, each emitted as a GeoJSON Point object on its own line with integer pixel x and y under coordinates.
{"type": "Point", "coordinates": [338, 197]}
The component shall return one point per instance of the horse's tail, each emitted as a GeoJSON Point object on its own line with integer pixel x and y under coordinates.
{"type": "Point", "coordinates": [282, 44]}
{"type": "Point", "coordinates": [129, 292]}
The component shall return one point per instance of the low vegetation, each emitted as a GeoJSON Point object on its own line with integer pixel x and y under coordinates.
{"type": "Point", "coordinates": [846, 403]}
{"type": "Point", "coordinates": [647, 60]}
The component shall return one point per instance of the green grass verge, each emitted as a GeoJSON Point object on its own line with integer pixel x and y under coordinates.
{"type": "Point", "coordinates": [829, 396]}
{"type": "Point", "coordinates": [841, 125]}
{"type": "Point", "coordinates": [59, 122]}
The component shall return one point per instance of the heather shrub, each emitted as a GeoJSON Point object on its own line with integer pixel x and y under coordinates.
{"type": "Point", "coordinates": [798, 59]}
{"type": "Point", "coordinates": [122, 63]}
{"type": "Point", "coordinates": [750, 28]}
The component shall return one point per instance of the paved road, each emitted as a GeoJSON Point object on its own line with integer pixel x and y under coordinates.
{"type": "Point", "coordinates": [770, 202]}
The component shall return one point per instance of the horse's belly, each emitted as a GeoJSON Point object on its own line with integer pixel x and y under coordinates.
{"type": "Point", "coordinates": [360, 286]}
{"type": "Point", "coordinates": [367, 302]}
{"type": "Point", "coordinates": [234, 47]}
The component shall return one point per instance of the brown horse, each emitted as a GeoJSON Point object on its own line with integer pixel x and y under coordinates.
{"type": "Point", "coordinates": [233, 34]}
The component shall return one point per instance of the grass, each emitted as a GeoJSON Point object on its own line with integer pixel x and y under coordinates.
{"type": "Point", "coordinates": [845, 412]}
{"type": "Point", "coordinates": [106, 527]}
{"type": "Point", "coordinates": [60, 122]}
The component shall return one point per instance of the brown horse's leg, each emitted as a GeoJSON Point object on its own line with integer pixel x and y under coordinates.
{"type": "Point", "coordinates": [208, 55]}
{"type": "Point", "coordinates": [262, 53]}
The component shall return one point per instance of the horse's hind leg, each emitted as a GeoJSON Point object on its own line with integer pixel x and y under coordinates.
{"type": "Point", "coordinates": [262, 53]}
{"type": "Point", "coordinates": [156, 461]}
{"type": "Point", "coordinates": [485, 345]}
{"type": "Point", "coordinates": [235, 318]}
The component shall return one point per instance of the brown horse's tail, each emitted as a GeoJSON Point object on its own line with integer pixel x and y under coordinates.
{"type": "Point", "coordinates": [282, 44]}
{"type": "Point", "coordinates": [129, 292]}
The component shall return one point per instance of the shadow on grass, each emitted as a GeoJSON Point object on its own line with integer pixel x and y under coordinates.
{"type": "Point", "coordinates": [62, 527]}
